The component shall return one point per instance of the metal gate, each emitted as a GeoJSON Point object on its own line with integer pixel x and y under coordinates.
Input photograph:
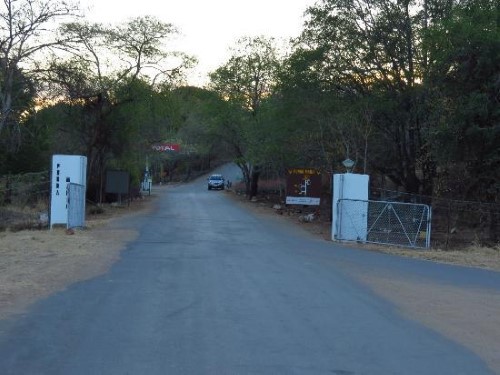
{"type": "Point", "coordinates": [76, 205]}
{"type": "Point", "coordinates": [388, 223]}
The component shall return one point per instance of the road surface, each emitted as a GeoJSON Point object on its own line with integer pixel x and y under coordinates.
{"type": "Point", "coordinates": [211, 288]}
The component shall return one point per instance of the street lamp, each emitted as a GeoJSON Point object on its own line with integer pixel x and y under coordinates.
{"type": "Point", "coordinates": [348, 164]}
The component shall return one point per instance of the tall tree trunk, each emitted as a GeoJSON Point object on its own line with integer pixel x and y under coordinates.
{"type": "Point", "coordinates": [254, 187]}
{"type": "Point", "coordinates": [245, 170]}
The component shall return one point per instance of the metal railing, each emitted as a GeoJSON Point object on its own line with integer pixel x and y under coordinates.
{"type": "Point", "coordinates": [382, 222]}
{"type": "Point", "coordinates": [76, 206]}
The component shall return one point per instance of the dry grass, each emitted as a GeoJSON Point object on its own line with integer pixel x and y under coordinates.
{"type": "Point", "coordinates": [471, 256]}
{"type": "Point", "coordinates": [37, 263]}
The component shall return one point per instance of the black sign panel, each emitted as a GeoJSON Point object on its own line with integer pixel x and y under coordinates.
{"type": "Point", "coordinates": [117, 182]}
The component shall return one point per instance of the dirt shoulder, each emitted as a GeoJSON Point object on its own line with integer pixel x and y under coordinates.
{"type": "Point", "coordinates": [37, 263]}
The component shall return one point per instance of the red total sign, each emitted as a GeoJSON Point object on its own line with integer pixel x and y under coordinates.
{"type": "Point", "coordinates": [164, 147]}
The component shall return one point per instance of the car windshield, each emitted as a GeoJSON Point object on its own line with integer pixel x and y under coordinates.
{"type": "Point", "coordinates": [216, 177]}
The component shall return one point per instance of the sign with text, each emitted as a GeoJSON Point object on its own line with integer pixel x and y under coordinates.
{"type": "Point", "coordinates": [164, 147]}
{"type": "Point", "coordinates": [66, 169]}
{"type": "Point", "coordinates": [303, 186]}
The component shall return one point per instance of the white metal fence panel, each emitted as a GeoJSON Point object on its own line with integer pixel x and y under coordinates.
{"type": "Point", "coordinates": [76, 205]}
{"type": "Point", "coordinates": [389, 223]}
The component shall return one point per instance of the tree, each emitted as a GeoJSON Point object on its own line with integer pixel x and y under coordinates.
{"type": "Point", "coordinates": [329, 120]}
{"type": "Point", "coordinates": [25, 32]}
{"type": "Point", "coordinates": [244, 81]}
{"type": "Point", "coordinates": [111, 55]}
{"type": "Point", "coordinates": [465, 78]}
{"type": "Point", "coordinates": [198, 109]}
{"type": "Point", "coordinates": [106, 69]}
{"type": "Point", "coordinates": [372, 50]}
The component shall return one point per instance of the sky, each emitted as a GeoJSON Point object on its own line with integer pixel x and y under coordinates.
{"type": "Point", "coordinates": [208, 27]}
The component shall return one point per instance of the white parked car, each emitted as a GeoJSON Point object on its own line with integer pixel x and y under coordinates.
{"type": "Point", "coordinates": [216, 181]}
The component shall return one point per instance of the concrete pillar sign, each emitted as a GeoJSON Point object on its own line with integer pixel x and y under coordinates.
{"type": "Point", "coordinates": [349, 222]}
{"type": "Point", "coordinates": [65, 169]}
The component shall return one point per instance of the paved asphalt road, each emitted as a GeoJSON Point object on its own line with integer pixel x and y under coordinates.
{"type": "Point", "coordinates": [210, 288]}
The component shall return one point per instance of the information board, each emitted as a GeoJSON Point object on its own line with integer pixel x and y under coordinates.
{"type": "Point", "coordinates": [303, 186]}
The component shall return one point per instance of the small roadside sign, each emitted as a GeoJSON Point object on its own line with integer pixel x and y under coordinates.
{"type": "Point", "coordinates": [303, 186]}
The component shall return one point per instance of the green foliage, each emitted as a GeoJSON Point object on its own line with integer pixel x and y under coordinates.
{"type": "Point", "coordinates": [196, 110]}
{"type": "Point", "coordinates": [249, 75]}
{"type": "Point", "coordinates": [32, 154]}
{"type": "Point", "coordinates": [465, 49]}
{"type": "Point", "coordinates": [361, 65]}
{"type": "Point", "coordinates": [408, 89]}
{"type": "Point", "coordinates": [117, 82]}
{"type": "Point", "coordinates": [243, 84]}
